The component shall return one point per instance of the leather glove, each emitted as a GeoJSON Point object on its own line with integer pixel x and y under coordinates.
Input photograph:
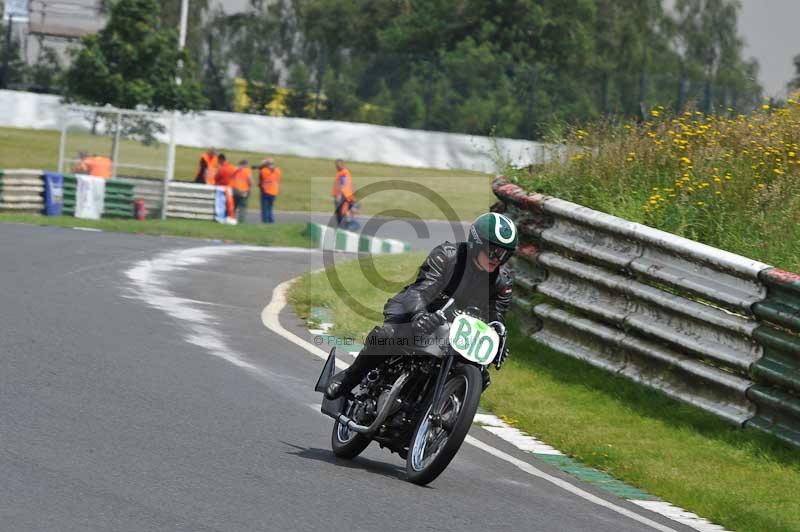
{"type": "Point", "coordinates": [426, 322]}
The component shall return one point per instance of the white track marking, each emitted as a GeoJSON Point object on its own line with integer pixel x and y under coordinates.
{"type": "Point", "coordinates": [89, 229]}
{"type": "Point", "coordinates": [563, 484]}
{"type": "Point", "coordinates": [151, 285]}
{"type": "Point", "coordinates": [680, 515]}
{"type": "Point", "coordinates": [270, 318]}
{"type": "Point", "coordinates": [519, 439]}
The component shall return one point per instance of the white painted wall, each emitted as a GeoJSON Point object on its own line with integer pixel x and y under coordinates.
{"type": "Point", "coordinates": [304, 137]}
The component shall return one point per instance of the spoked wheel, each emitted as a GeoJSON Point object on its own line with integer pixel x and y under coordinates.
{"type": "Point", "coordinates": [347, 443]}
{"type": "Point", "coordinates": [439, 435]}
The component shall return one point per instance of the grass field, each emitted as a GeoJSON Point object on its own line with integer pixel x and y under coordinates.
{"type": "Point", "coordinates": [262, 235]}
{"type": "Point", "coordinates": [306, 182]}
{"type": "Point", "coordinates": [742, 480]}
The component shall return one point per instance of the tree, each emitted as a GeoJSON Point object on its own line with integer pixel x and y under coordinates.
{"type": "Point", "coordinates": [133, 62]}
{"type": "Point", "coordinates": [46, 75]}
{"type": "Point", "coordinates": [409, 107]}
{"type": "Point", "coordinates": [706, 36]}
{"type": "Point", "coordinates": [516, 67]}
{"type": "Point", "coordinates": [299, 97]}
{"type": "Point", "coordinates": [217, 86]}
{"type": "Point", "coordinates": [795, 83]}
{"type": "Point", "coordinates": [170, 15]}
{"type": "Point", "coordinates": [12, 73]}
{"type": "Point", "coordinates": [341, 100]}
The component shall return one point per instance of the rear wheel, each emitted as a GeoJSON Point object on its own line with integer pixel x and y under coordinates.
{"type": "Point", "coordinates": [347, 443]}
{"type": "Point", "coordinates": [439, 435]}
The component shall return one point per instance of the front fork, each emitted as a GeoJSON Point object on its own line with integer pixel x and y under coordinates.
{"type": "Point", "coordinates": [441, 379]}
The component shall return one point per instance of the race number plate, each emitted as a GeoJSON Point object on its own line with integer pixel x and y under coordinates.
{"type": "Point", "coordinates": [473, 339]}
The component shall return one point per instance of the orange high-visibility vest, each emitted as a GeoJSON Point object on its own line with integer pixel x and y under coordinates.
{"type": "Point", "coordinates": [270, 180]}
{"type": "Point", "coordinates": [99, 166]}
{"type": "Point", "coordinates": [241, 179]}
{"type": "Point", "coordinates": [225, 174]}
{"type": "Point", "coordinates": [343, 185]}
{"type": "Point", "coordinates": [210, 171]}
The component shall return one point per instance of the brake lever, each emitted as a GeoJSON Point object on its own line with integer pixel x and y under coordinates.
{"type": "Point", "coordinates": [446, 306]}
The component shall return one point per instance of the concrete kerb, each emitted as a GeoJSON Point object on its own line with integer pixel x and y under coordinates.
{"type": "Point", "coordinates": [330, 238]}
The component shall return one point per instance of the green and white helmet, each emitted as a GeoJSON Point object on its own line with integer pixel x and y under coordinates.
{"type": "Point", "coordinates": [494, 233]}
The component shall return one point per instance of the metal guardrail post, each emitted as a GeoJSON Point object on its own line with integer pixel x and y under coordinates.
{"type": "Point", "coordinates": [115, 151]}
{"type": "Point", "coordinates": [62, 144]}
{"type": "Point", "coordinates": [170, 166]}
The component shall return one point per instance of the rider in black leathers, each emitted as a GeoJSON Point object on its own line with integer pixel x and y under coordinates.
{"type": "Point", "coordinates": [472, 272]}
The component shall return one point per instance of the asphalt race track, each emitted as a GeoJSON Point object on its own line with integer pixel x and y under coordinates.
{"type": "Point", "coordinates": [139, 392]}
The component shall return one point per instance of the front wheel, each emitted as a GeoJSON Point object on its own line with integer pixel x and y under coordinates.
{"type": "Point", "coordinates": [347, 443]}
{"type": "Point", "coordinates": [439, 435]}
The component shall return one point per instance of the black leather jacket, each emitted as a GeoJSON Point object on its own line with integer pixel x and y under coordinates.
{"type": "Point", "coordinates": [450, 272]}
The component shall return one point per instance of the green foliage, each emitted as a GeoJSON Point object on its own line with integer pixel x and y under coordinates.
{"type": "Point", "coordinates": [408, 109]}
{"type": "Point", "coordinates": [795, 83]}
{"type": "Point", "coordinates": [342, 102]}
{"type": "Point", "coordinates": [46, 75]}
{"type": "Point", "coordinates": [133, 62]}
{"type": "Point", "coordinates": [299, 98]}
{"type": "Point", "coordinates": [15, 74]}
{"type": "Point", "coordinates": [518, 67]}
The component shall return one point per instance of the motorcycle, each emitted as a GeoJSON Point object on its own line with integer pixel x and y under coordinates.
{"type": "Point", "coordinates": [421, 402]}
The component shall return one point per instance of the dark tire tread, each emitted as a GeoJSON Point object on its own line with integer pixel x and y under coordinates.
{"type": "Point", "coordinates": [460, 430]}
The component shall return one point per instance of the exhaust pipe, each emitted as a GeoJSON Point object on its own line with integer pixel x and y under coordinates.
{"type": "Point", "coordinates": [397, 387]}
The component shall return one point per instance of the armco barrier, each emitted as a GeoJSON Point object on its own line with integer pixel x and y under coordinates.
{"type": "Point", "coordinates": [118, 202]}
{"type": "Point", "coordinates": [185, 200]}
{"type": "Point", "coordinates": [149, 190]}
{"type": "Point", "coordinates": [21, 191]}
{"type": "Point", "coordinates": [708, 327]}
{"type": "Point", "coordinates": [777, 374]}
{"type": "Point", "coordinates": [190, 200]}
{"type": "Point", "coordinates": [340, 240]}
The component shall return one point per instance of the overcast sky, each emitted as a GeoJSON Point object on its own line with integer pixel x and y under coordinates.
{"type": "Point", "coordinates": [769, 28]}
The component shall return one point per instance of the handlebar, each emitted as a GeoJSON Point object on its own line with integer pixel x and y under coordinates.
{"type": "Point", "coordinates": [441, 311]}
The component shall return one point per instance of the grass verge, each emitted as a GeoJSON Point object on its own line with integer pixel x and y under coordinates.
{"type": "Point", "coordinates": [258, 234]}
{"type": "Point", "coordinates": [742, 480]}
{"type": "Point", "coordinates": [729, 182]}
{"type": "Point", "coordinates": [306, 182]}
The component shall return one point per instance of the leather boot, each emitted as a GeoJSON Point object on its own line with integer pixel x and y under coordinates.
{"type": "Point", "coordinates": [369, 358]}
{"type": "Point", "coordinates": [341, 384]}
